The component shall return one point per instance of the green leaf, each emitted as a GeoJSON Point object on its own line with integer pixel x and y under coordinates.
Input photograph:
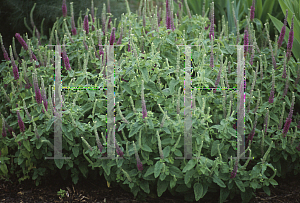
{"type": "Point", "coordinates": [172, 85]}
{"type": "Point", "coordinates": [198, 190]}
{"type": "Point", "coordinates": [258, 23]}
{"type": "Point", "coordinates": [20, 160]}
{"type": "Point", "coordinates": [4, 151]}
{"type": "Point", "coordinates": [59, 163]}
{"type": "Point", "coordinates": [230, 49]}
{"type": "Point", "coordinates": [224, 192]}
{"type": "Point", "coordinates": [157, 169]}
{"type": "Point", "coordinates": [3, 168]}
{"type": "Point", "coordinates": [178, 153]}
{"type": "Point", "coordinates": [145, 186]}
{"type": "Point", "coordinates": [75, 150]}
{"type": "Point", "coordinates": [126, 87]}
{"type": "Point", "coordinates": [166, 92]}
{"type": "Point", "coordinates": [214, 148]}
{"type": "Point", "coordinates": [191, 164]}
{"type": "Point", "coordinates": [151, 126]}
{"type": "Point", "coordinates": [26, 144]}
{"type": "Point", "coordinates": [146, 148]}
{"type": "Point", "coordinates": [273, 182]}
{"type": "Point", "coordinates": [161, 187]}
{"type": "Point", "coordinates": [166, 151]}
{"type": "Point", "coordinates": [189, 174]}
{"type": "Point", "coordinates": [66, 133]}
{"type": "Point", "coordinates": [175, 171]}
{"type": "Point", "coordinates": [135, 128]}
{"type": "Point", "coordinates": [267, 190]}
{"type": "Point", "coordinates": [240, 185]}
{"type": "Point", "coordinates": [217, 180]}
{"type": "Point", "coordinates": [84, 169]}
{"type": "Point", "coordinates": [25, 153]}
{"type": "Point", "coordinates": [145, 74]}
{"type": "Point", "coordinates": [151, 86]}
{"type": "Point", "coordinates": [149, 171]}
{"type": "Point", "coordinates": [258, 9]}
{"type": "Point", "coordinates": [267, 8]}
{"type": "Point", "coordinates": [49, 123]}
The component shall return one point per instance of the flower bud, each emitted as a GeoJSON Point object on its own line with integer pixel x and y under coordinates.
{"type": "Point", "coordinates": [112, 36]}
{"type": "Point", "coordinates": [252, 12]}
{"type": "Point", "coordinates": [290, 41]}
{"type": "Point", "coordinates": [35, 129]}
{"type": "Point", "coordinates": [97, 138]}
{"type": "Point", "coordinates": [138, 161]}
{"type": "Point", "coordinates": [127, 175]}
{"type": "Point", "coordinates": [3, 49]}
{"type": "Point", "coordinates": [289, 118]}
{"type": "Point", "coordinates": [159, 146]}
{"type": "Point", "coordinates": [15, 68]}
{"type": "Point", "coordinates": [119, 151]}
{"type": "Point", "coordinates": [86, 24]}
{"type": "Point", "coordinates": [64, 8]}
{"type": "Point", "coordinates": [87, 144]}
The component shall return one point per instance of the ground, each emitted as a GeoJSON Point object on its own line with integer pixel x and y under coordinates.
{"type": "Point", "coordinates": [97, 191]}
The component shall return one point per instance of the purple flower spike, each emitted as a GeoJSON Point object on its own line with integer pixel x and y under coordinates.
{"type": "Point", "coordinates": [291, 39]}
{"type": "Point", "coordinates": [128, 46]}
{"type": "Point", "coordinates": [20, 121]}
{"type": "Point", "coordinates": [112, 36]}
{"type": "Point", "coordinates": [86, 24]}
{"type": "Point", "coordinates": [252, 13]}
{"type": "Point", "coordinates": [246, 41]}
{"type": "Point", "coordinates": [234, 171]}
{"type": "Point", "coordinates": [271, 98]}
{"type": "Point", "coordinates": [64, 8]}
{"type": "Point", "coordinates": [66, 61]}
{"type": "Point", "coordinates": [5, 54]}
{"type": "Point", "coordinates": [3, 129]}
{"type": "Point", "coordinates": [74, 31]}
{"type": "Point", "coordinates": [15, 70]}
{"type": "Point", "coordinates": [119, 151]}
{"type": "Point", "coordinates": [286, 127]}
{"type": "Point", "coordinates": [139, 165]}
{"type": "Point", "coordinates": [21, 40]}
{"type": "Point", "coordinates": [289, 118]}
{"type": "Point", "coordinates": [38, 96]}
{"type": "Point", "coordinates": [212, 22]}
{"type": "Point", "coordinates": [282, 33]}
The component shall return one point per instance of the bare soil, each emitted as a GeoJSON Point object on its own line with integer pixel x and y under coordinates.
{"type": "Point", "coordinates": [98, 191]}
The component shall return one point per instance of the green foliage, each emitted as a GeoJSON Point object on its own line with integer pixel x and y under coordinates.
{"type": "Point", "coordinates": [293, 8]}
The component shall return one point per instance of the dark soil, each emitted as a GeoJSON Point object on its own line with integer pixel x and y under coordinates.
{"type": "Point", "coordinates": [97, 191]}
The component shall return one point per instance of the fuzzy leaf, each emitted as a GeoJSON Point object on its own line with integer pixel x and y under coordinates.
{"type": "Point", "coordinates": [198, 190]}
{"type": "Point", "coordinates": [217, 180]}
{"type": "Point", "coordinates": [158, 167]}
{"type": "Point", "coordinates": [145, 186]}
{"type": "Point", "coordinates": [191, 164]}
{"type": "Point", "coordinates": [240, 185]}
{"type": "Point", "coordinates": [59, 163]}
{"type": "Point", "coordinates": [161, 187]}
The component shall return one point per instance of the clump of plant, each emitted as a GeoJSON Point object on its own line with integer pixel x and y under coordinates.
{"type": "Point", "coordinates": [149, 147]}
